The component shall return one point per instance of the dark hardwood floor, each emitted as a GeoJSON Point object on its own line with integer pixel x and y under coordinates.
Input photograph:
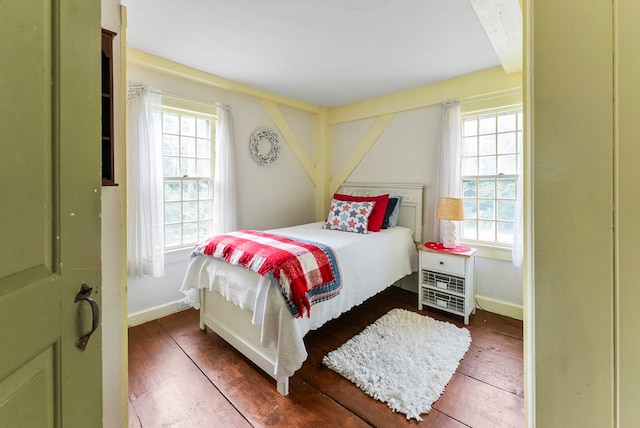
{"type": "Point", "coordinates": [180, 376]}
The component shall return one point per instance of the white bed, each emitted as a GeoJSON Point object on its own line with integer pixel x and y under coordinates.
{"type": "Point", "coordinates": [247, 311]}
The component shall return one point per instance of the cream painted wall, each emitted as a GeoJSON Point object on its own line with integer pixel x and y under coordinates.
{"type": "Point", "coordinates": [406, 151]}
{"type": "Point", "coordinates": [583, 88]}
{"type": "Point", "coordinates": [270, 196]}
{"type": "Point", "coordinates": [402, 132]}
{"type": "Point", "coordinates": [114, 338]}
{"type": "Point", "coordinates": [408, 125]}
{"type": "Point", "coordinates": [402, 154]}
{"type": "Point", "coordinates": [262, 202]}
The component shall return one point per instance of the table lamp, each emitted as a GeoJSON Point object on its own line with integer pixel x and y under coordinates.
{"type": "Point", "coordinates": [450, 209]}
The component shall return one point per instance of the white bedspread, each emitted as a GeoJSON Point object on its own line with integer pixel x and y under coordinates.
{"type": "Point", "coordinates": [368, 262]}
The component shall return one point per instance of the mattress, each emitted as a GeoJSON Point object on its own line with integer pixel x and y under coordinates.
{"type": "Point", "coordinates": [368, 264]}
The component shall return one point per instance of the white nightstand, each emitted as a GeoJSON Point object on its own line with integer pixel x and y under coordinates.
{"type": "Point", "coordinates": [447, 280]}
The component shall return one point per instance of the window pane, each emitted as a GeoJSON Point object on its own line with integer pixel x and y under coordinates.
{"type": "Point", "coordinates": [486, 209]}
{"type": "Point", "coordinates": [172, 235]}
{"type": "Point", "coordinates": [188, 125]}
{"type": "Point", "coordinates": [507, 164]}
{"type": "Point", "coordinates": [470, 126]}
{"type": "Point", "coordinates": [205, 229]}
{"type": "Point", "coordinates": [487, 165]}
{"type": "Point", "coordinates": [203, 167]}
{"type": "Point", "coordinates": [188, 147]}
{"type": "Point", "coordinates": [189, 211]}
{"type": "Point", "coordinates": [171, 191]}
{"type": "Point", "coordinates": [172, 212]}
{"type": "Point", "coordinates": [170, 123]}
{"type": "Point", "coordinates": [188, 167]}
{"type": "Point", "coordinates": [189, 190]}
{"type": "Point", "coordinates": [169, 167]}
{"type": "Point", "coordinates": [505, 233]}
{"type": "Point", "coordinates": [469, 166]}
{"type": "Point", "coordinates": [190, 233]}
{"type": "Point", "coordinates": [470, 210]}
{"type": "Point", "coordinates": [170, 145]}
{"type": "Point", "coordinates": [520, 141]}
{"type": "Point", "coordinates": [506, 210]}
{"type": "Point", "coordinates": [469, 188]}
{"type": "Point", "coordinates": [487, 145]}
{"type": "Point", "coordinates": [506, 188]}
{"type": "Point", "coordinates": [486, 231]}
{"type": "Point", "coordinates": [470, 229]}
{"type": "Point", "coordinates": [470, 146]}
{"type": "Point", "coordinates": [488, 124]}
{"type": "Point", "coordinates": [206, 191]}
{"type": "Point", "coordinates": [507, 143]}
{"type": "Point", "coordinates": [487, 188]}
{"type": "Point", "coordinates": [205, 209]}
{"type": "Point", "coordinates": [507, 121]}
{"type": "Point", "coordinates": [204, 128]}
{"type": "Point", "coordinates": [204, 148]}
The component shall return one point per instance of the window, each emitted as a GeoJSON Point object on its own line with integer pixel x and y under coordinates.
{"type": "Point", "coordinates": [490, 159]}
{"type": "Point", "coordinates": [187, 169]}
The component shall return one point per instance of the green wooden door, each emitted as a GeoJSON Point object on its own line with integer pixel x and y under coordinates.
{"type": "Point", "coordinates": [49, 212]}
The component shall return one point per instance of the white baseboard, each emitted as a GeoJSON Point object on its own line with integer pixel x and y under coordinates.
{"type": "Point", "coordinates": [499, 307]}
{"type": "Point", "coordinates": [486, 303]}
{"type": "Point", "coordinates": [151, 314]}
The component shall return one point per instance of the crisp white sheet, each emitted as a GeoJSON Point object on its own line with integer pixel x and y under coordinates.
{"type": "Point", "coordinates": [368, 263]}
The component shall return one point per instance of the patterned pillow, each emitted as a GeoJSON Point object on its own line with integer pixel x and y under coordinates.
{"type": "Point", "coordinates": [349, 216]}
{"type": "Point", "coordinates": [377, 215]}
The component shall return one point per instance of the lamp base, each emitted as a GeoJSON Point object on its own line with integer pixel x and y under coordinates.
{"type": "Point", "coordinates": [449, 235]}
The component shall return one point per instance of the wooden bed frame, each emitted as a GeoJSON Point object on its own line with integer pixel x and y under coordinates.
{"type": "Point", "coordinates": [234, 324]}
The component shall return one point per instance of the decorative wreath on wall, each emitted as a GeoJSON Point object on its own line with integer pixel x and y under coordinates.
{"type": "Point", "coordinates": [264, 146]}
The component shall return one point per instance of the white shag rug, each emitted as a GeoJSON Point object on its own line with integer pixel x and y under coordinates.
{"type": "Point", "coordinates": [403, 359]}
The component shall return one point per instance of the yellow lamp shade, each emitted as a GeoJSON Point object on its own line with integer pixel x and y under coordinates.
{"type": "Point", "coordinates": [450, 209]}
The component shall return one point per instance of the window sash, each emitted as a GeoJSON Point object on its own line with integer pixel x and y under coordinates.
{"type": "Point", "coordinates": [489, 208]}
{"type": "Point", "coordinates": [491, 146]}
{"type": "Point", "coordinates": [188, 163]}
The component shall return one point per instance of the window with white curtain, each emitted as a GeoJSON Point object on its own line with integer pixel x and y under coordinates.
{"type": "Point", "coordinates": [490, 165]}
{"type": "Point", "coordinates": [188, 132]}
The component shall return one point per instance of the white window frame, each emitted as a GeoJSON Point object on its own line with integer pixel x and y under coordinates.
{"type": "Point", "coordinates": [491, 248]}
{"type": "Point", "coordinates": [203, 111]}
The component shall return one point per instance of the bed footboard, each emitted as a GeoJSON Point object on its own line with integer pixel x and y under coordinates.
{"type": "Point", "coordinates": [234, 325]}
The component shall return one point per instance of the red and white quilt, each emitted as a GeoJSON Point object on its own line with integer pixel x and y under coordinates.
{"type": "Point", "coordinates": [306, 272]}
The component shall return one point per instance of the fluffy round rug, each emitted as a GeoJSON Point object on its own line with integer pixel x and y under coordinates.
{"type": "Point", "coordinates": [404, 359]}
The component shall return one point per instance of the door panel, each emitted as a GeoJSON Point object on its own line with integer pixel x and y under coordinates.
{"type": "Point", "coordinates": [29, 322]}
{"type": "Point", "coordinates": [50, 180]}
{"type": "Point", "coordinates": [25, 124]}
{"type": "Point", "coordinates": [33, 382]}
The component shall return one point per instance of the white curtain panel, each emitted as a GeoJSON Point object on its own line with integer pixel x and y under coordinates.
{"type": "Point", "coordinates": [517, 248]}
{"type": "Point", "coordinates": [145, 211]}
{"type": "Point", "coordinates": [225, 192]}
{"type": "Point", "coordinates": [448, 179]}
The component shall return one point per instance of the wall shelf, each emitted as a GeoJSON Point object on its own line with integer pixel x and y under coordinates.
{"type": "Point", "coordinates": [108, 175]}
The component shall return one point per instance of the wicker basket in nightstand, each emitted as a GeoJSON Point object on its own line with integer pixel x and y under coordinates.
{"type": "Point", "coordinates": [447, 280]}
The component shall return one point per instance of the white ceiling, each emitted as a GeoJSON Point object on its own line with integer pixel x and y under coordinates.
{"type": "Point", "coordinates": [327, 52]}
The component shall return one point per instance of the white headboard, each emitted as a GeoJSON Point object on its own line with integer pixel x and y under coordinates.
{"type": "Point", "coordinates": [410, 214]}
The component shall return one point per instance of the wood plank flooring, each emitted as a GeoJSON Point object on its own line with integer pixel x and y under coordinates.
{"type": "Point", "coordinates": [180, 376]}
